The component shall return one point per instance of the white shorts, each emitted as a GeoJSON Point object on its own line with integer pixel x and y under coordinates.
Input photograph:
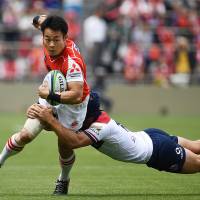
{"type": "Point", "coordinates": [70, 116]}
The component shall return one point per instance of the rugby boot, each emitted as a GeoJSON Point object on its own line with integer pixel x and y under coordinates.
{"type": "Point", "coordinates": [61, 187]}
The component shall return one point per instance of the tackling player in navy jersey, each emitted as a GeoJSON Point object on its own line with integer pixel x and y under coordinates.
{"type": "Point", "coordinates": [153, 147]}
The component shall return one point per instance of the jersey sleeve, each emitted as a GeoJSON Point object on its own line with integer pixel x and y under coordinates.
{"type": "Point", "coordinates": [74, 72]}
{"type": "Point", "coordinates": [96, 132]}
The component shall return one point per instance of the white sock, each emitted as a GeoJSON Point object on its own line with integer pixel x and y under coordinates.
{"type": "Point", "coordinates": [11, 148]}
{"type": "Point", "coordinates": [66, 165]}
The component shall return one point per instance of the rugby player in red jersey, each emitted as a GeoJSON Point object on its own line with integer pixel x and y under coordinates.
{"type": "Point", "coordinates": [61, 54]}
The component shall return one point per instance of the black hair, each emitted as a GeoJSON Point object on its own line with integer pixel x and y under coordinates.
{"type": "Point", "coordinates": [55, 23]}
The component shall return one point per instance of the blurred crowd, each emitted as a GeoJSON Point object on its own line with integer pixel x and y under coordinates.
{"type": "Point", "coordinates": [140, 41]}
{"type": "Point", "coordinates": [21, 51]}
{"type": "Point", "coordinates": [148, 41]}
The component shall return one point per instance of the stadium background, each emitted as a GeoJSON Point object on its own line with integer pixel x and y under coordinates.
{"type": "Point", "coordinates": [138, 72]}
{"type": "Point", "coordinates": [138, 44]}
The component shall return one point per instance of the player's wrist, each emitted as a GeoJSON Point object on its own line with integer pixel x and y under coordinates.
{"type": "Point", "coordinates": [54, 97]}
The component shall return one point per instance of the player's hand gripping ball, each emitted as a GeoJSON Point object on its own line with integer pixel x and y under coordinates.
{"type": "Point", "coordinates": [56, 83]}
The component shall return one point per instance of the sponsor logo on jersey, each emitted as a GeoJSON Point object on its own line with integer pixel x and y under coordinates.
{"type": "Point", "coordinates": [75, 75]}
{"type": "Point", "coordinates": [75, 71]}
{"type": "Point", "coordinates": [75, 68]}
{"type": "Point", "coordinates": [95, 130]}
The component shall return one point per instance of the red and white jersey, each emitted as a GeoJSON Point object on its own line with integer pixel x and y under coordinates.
{"type": "Point", "coordinates": [117, 142]}
{"type": "Point", "coordinates": [71, 64]}
{"type": "Point", "coordinates": [70, 116]}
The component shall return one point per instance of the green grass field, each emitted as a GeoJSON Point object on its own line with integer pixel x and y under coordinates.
{"type": "Point", "coordinates": [31, 174]}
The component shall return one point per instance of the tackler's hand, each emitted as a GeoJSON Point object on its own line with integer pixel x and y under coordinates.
{"type": "Point", "coordinates": [37, 111]}
{"type": "Point", "coordinates": [32, 111]}
{"type": "Point", "coordinates": [45, 115]}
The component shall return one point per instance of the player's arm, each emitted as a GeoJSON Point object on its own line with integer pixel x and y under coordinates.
{"type": "Point", "coordinates": [75, 81]}
{"type": "Point", "coordinates": [38, 20]}
{"type": "Point", "coordinates": [73, 95]}
{"type": "Point", "coordinates": [71, 138]}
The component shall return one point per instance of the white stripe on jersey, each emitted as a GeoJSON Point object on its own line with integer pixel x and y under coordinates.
{"type": "Point", "coordinates": [91, 136]}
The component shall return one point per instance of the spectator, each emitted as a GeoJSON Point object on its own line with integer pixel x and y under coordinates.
{"type": "Point", "coordinates": [134, 65]}
{"type": "Point", "coordinates": [184, 56]}
{"type": "Point", "coordinates": [111, 10]}
{"type": "Point", "coordinates": [36, 61]}
{"type": "Point", "coordinates": [95, 44]}
{"type": "Point", "coordinates": [153, 22]}
{"type": "Point", "coordinates": [185, 62]}
{"type": "Point", "coordinates": [74, 25]}
{"type": "Point", "coordinates": [74, 6]}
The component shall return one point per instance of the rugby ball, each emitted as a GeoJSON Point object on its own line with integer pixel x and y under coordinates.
{"type": "Point", "coordinates": [56, 83]}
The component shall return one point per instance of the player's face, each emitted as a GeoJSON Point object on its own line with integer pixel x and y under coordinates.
{"type": "Point", "coordinates": [53, 41]}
